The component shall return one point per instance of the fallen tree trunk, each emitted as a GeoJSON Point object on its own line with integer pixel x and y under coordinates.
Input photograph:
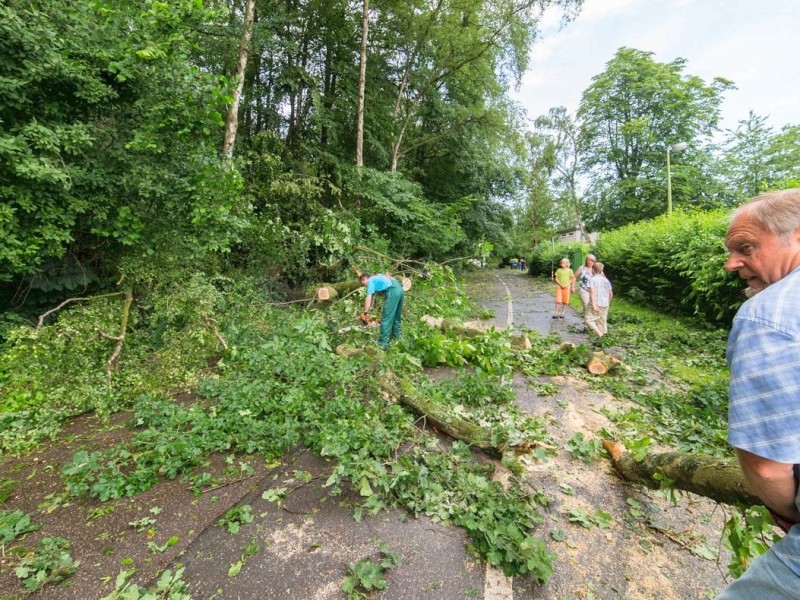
{"type": "Point", "coordinates": [720, 479]}
{"type": "Point", "coordinates": [438, 415]}
{"type": "Point", "coordinates": [326, 292]}
{"type": "Point", "coordinates": [473, 330]}
{"type": "Point", "coordinates": [596, 361]}
{"type": "Point", "coordinates": [330, 291]}
{"type": "Point", "coordinates": [600, 363]}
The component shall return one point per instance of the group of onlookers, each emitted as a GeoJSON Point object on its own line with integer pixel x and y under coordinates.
{"type": "Point", "coordinates": [763, 241]}
{"type": "Point", "coordinates": [594, 289]}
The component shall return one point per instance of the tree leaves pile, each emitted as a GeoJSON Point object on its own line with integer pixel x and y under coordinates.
{"type": "Point", "coordinates": [281, 385]}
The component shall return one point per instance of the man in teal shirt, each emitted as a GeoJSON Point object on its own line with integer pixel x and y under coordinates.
{"type": "Point", "coordinates": [392, 314]}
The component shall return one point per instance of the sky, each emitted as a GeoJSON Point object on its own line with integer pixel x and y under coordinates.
{"type": "Point", "coordinates": [750, 42]}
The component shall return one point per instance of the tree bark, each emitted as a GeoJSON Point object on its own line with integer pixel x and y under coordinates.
{"type": "Point", "coordinates": [232, 122]}
{"type": "Point", "coordinates": [437, 415]}
{"type": "Point", "coordinates": [362, 82]}
{"type": "Point", "coordinates": [720, 479]}
{"type": "Point", "coordinates": [473, 330]}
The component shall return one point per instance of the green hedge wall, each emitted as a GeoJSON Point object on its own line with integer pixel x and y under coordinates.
{"type": "Point", "coordinates": [674, 263]}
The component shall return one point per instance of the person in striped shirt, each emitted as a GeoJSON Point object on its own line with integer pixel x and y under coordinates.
{"type": "Point", "coordinates": [600, 295]}
{"type": "Point", "coordinates": [763, 242]}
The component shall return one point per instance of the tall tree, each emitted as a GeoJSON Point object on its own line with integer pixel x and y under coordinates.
{"type": "Point", "coordinates": [562, 131]}
{"type": "Point", "coordinates": [461, 54]}
{"type": "Point", "coordinates": [785, 154]}
{"type": "Point", "coordinates": [631, 113]}
{"type": "Point", "coordinates": [755, 158]}
{"type": "Point", "coordinates": [232, 122]}
{"type": "Point", "coordinates": [362, 83]}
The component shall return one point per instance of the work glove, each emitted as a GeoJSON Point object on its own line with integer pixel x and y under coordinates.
{"type": "Point", "coordinates": [364, 318]}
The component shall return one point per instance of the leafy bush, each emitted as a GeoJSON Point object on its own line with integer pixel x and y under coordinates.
{"type": "Point", "coordinates": [394, 207]}
{"type": "Point", "coordinates": [674, 262]}
{"type": "Point", "coordinates": [58, 371]}
{"type": "Point", "coordinates": [546, 256]}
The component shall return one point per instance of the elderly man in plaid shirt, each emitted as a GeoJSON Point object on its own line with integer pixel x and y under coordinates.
{"type": "Point", "coordinates": [764, 359]}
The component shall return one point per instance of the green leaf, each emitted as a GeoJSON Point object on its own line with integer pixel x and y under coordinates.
{"type": "Point", "coordinates": [364, 488]}
{"type": "Point", "coordinates": [235, 568]}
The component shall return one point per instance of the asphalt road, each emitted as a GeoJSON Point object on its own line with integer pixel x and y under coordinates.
{"type": "Point", "coordinates": [306, 543]}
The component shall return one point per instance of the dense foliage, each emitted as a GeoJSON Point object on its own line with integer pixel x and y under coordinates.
{"type": "Point", "coordinates": [606, 166]}
{"type": "Point", "coordinates": [279, 385]}
{"type": "Point", "coordinates": [674, 262]}
{"type": "Point", "coordinates": [107, 143]}
{"type": "Point", "coordinates": [546, 257]}
{"type": "Point", "coordinates": [630, 114]}
{"type": "Point", "coordinates": [56, 371]}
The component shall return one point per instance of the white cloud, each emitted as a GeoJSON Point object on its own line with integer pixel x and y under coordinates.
{"type": "Point", "coordinates": [594, 10]}
{"type": "Point", "coordinates": [751, 44]}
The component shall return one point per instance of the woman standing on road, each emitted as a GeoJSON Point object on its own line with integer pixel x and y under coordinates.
{"type": "Point", "coordinates": [582, 276]}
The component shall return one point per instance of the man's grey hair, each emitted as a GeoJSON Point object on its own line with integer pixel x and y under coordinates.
{"type": "Point", "coordinates": [777, 212]}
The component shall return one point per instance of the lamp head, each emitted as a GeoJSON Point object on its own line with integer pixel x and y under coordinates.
{"type": "Point", "coordinates": [678, 147]}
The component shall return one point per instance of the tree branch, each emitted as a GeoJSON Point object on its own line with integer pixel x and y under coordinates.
{"type": "Point", "coordinates": [112, 362]}
{"type": "Point", "coordinates": [212, 325]}
{"type": "Point", "coordinates": [69, 300]}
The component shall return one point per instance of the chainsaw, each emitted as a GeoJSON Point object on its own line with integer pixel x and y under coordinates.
{"type": "Point", "coordinates": [368, 321]}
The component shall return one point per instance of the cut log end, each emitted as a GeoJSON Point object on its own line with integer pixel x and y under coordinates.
{"type": "Point", "coordinates": [615, 449]}
{"type": "Point", "coordinates": [434, 322]}
{"type": "Point", "coordinates": [600, 363]}
{"type": "Point", "coordinates": [521, 342]}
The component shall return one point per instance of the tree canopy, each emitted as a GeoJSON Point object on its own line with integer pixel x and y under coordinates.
{"type": "Point", "coordinates": [108, 144]}
{"type": "Point", "coordinates": [113, 124]}
{"type": "Point", "coordinates": [631, 114]}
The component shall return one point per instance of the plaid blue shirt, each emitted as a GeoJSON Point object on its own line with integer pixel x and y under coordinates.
{"type": "Point", "coordinates": [764, 360]}
{"type": "Point", "coordinates": [602, 290]}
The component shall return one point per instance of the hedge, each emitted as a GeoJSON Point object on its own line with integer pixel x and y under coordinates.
{"type": "Point", "coordinates": [674, 262]}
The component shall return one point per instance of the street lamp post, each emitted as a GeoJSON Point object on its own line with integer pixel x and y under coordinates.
{"type": "Point", "coordinates": [675, 148]}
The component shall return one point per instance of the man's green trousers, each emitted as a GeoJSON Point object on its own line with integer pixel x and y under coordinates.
{"type": "Point", "coordinates": [392, 314]}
